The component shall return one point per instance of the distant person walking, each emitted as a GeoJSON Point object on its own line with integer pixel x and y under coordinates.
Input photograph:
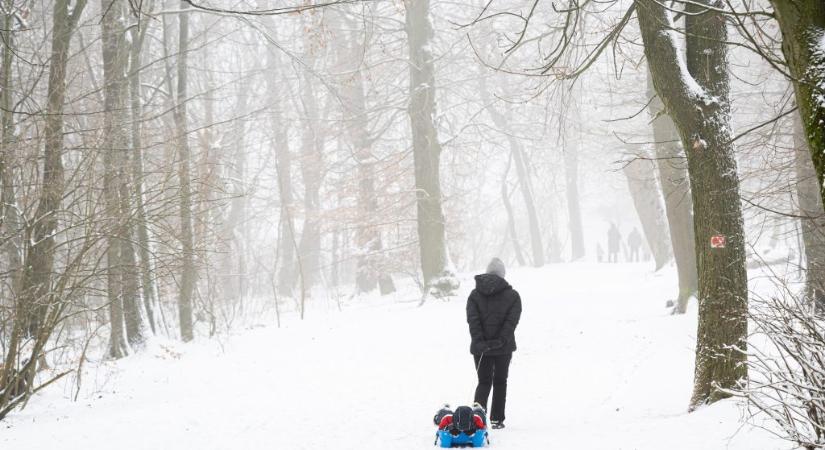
{"type": "Point", "coordinates": [493, 312]}
{"type": "Point", "coordinates": [634, 241]}
{"type": "Point", "coordinates": [613, 238]}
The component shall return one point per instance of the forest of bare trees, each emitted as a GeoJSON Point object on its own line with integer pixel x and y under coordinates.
{"type": "Point", "coordinates": [174, 168]}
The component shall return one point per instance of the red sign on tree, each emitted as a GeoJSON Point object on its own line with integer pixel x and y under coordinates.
{"type": "Point", "coordinates": [717, 241]}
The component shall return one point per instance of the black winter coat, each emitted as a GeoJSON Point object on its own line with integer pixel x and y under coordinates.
{"type": "Point", "coordinates": [493, 312]}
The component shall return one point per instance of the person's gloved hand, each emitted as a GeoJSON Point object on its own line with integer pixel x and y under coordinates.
{"type": "Point", "coordinates": [493, 344]}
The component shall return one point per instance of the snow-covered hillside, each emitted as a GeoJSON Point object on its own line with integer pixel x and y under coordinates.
{"type": "Point", "coordinates": [600, 365]}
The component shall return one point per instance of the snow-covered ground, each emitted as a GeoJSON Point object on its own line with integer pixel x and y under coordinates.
{"type": "Point", "coordinates": [600, 365]}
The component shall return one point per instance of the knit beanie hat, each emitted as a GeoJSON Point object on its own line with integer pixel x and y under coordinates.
{"type": "Point", "coordinates": [496, 266]}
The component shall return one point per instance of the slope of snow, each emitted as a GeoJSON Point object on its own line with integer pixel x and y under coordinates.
{"type": "Point", "coordinates": [600, 365]}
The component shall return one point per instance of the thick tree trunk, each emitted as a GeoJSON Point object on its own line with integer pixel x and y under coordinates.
{"type": "Point", "coordinates": [673, 177]}
{"type": "Point", "coordinates": [802, 23]}
{"type": "Point", "coordinates": [114, 151]}
{"type": "Point", "coordinates": [188, 273]}
{"type": "Point", "coordinates": [698, 104]}
{"type": "Point", "coordinates": [644, 189]}
{"type": "Point", "coordinates": [426, 152]}
{"type": "Point", "coordinates": [813, 218]}
{"type": "Point", "coordinates": [714, 180]}
{"type": "Point", "coordinates": [39, 261]}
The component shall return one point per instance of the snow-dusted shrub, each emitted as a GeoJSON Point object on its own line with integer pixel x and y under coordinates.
{"type": "Point", "coordinates": [785, 392]}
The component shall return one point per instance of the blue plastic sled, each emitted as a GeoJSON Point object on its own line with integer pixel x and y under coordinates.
{"type": "Point", "coordinates": [447, 440]}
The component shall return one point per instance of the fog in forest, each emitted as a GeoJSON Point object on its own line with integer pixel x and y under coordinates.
{"type": "Point", "coordinates": [177, 175]}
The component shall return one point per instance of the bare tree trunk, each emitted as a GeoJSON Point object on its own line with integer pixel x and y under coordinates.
{"type": "Point", "coordinates": [511, 220]}
{"type": "Point", "coordinates": [133, 306]}
{"type": "Point", "coordinates": [426, 152]}
{"type": "Point", "coordinates": [802, 23]}
{"type": "Point", "coordinates": [334, 266]}
{"type": "Point", "coordinates": [673, 176]}
{"type": "Point", "coordinates": [239, 207]}
{"type": "Point", "coordinates": [188, 274]}
{"type": "Point", "coordinates": [283, 169]}
{"type": "Point", "coordinates": [39, 261]}
{"type": "Point", "coordinates": [204, 213]}
{"type": "Point", "coordinates": [37, 303]}
{"type": "Point", "coordinates": [644, 189]}
{"type": "Point", "coordinates": [122, 283]}
{"type": "Point", "coordinates": [149, 290]}
{"type": "Point", "coordinates": [704, 127]}
{"type": "Point", "coordinates": [309, 249]}
{"type": "Point", "coordinates": [231, 241]}
{"type": "Point", "coordinates": [525, 185]}
{"type": "Point", "coordinates": [571, 175]}
{"type": "Point", "coordinates": [368, 272]}
{"type": "Point", "coordinates": [813, 221]}
{"type": "Point", "coordinates": [569, 99]}
{"type": "Point", "coordinates": [12, 220]}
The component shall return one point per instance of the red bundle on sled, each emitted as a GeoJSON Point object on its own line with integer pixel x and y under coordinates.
{"type": "Point", "coordinates": [464, 427]}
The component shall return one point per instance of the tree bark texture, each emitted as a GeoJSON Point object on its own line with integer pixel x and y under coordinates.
{"type": "Point", "coordinates": [802, 23]}
{"type": "Point", "coordinates": [698, 104]}
{"type": "Point", "coordinates": [114, 148]}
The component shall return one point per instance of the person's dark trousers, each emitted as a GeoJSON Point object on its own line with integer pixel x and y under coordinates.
{"type": "Point", "coordinates": [492, 373]}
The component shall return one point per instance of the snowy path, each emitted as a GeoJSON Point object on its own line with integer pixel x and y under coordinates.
{"type": "Point", "coordinates": [600, 365]}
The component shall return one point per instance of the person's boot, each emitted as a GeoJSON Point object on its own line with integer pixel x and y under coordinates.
{"type": "Point", "coordinates": [497, 424]}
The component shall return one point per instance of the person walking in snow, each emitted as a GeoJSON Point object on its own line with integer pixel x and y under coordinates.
{"type": "Point", "coordinates": [613, 238]}
{"type": "Point", "coordinates": [493, 312]}
{"type": "Point", "coordinates": [634, 241]}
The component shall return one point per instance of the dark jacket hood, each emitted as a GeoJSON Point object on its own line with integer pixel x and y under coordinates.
{"type": "Point", "coordinates": [489, 284]}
